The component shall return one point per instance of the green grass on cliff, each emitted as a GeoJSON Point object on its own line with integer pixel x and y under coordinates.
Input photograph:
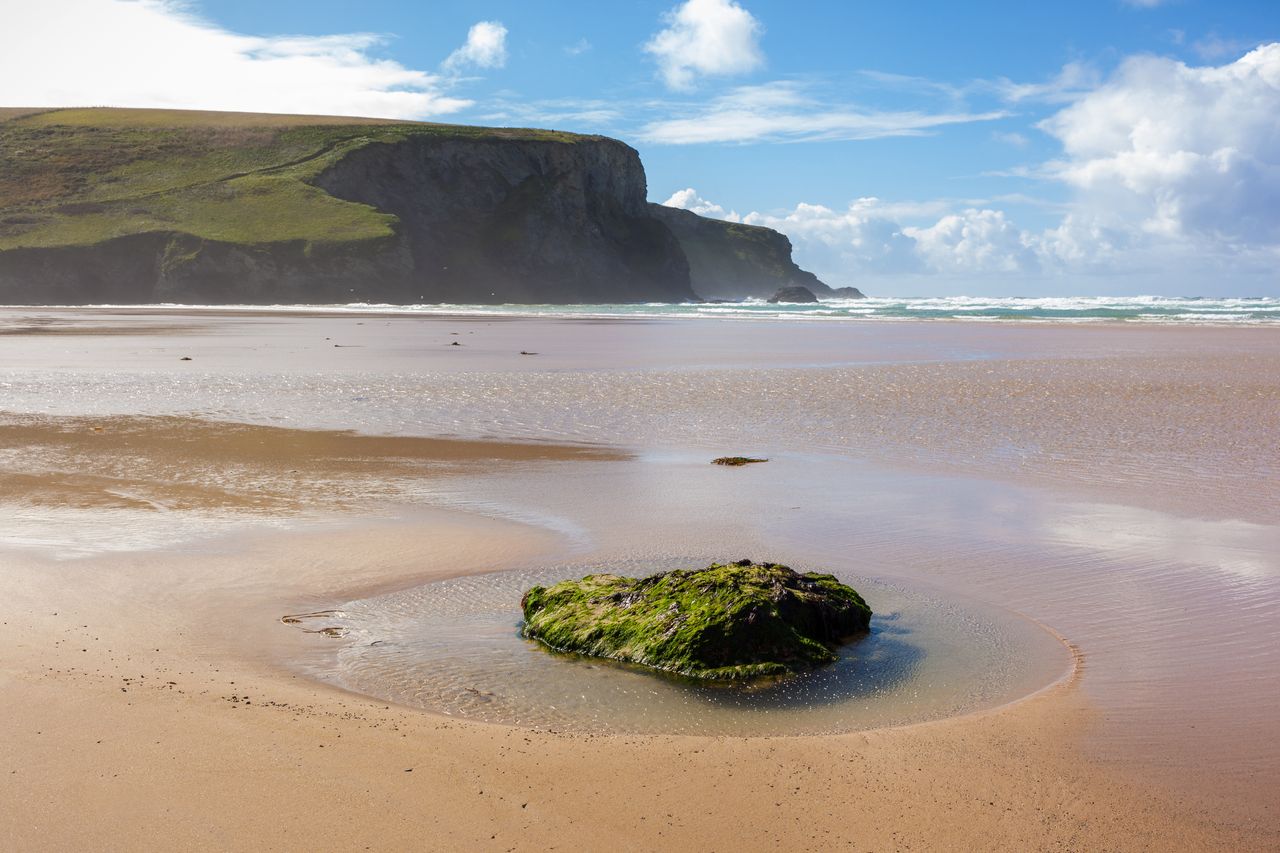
{"type": "Point", "coordinates": [72, 177]}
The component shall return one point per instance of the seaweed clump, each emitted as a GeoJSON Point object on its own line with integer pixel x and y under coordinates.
{"type": "Point", "coordinates": [735, 461]}
{"type": "Point", "coordinates": [727, 622]}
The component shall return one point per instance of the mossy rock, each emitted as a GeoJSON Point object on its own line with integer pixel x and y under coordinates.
{"type": "Point", "coordinates": [727, 622]}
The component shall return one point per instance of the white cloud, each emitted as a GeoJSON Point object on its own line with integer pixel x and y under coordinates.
{"type": "Point", "coordinates": [784, 111]}
{"type": "Point", "coordinates": [841, 244]}
{"type": "Point", "coordinates": [706, 37]}
{"type": "Point", "coordinates": [1013, 138]}
{"type": "Point", "coordinates": [688, 199]}
{"type": "Point", "coordinates": [975, 241]}
{"type": "Point", "coordinates": [155, 53]}
{"type": "Point", "coordinates": [1074, 80]}
{"type": "Point", "coordinates": [1173, 174]}
{"type": "Point", "coordinates": [578, 48]}
{"type": "Point", "coordinates": [870, 237]}
{"type": "Point", "coordinates": [485, 47]}
{"type": "Point", "coordinates": [1184, 152]}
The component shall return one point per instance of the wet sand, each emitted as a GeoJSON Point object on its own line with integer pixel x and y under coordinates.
{"type": "Point", "coordinates": [169, 463]}
{"type": "Point", "coordinates": [151, 682]}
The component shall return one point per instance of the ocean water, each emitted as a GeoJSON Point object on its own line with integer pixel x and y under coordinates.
{"type": "Point", "coordinates": [1262, 310]}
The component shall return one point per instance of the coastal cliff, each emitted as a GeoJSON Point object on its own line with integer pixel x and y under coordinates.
{"type": "Point", "coordinates": [730, 260]}
{"type": "Point", "coordinates": [139, 206]}
{"type": "Point", "coordinates": [510, 220]}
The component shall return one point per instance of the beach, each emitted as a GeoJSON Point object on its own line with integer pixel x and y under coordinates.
{"type": "Point", "coordinates": [215, 522]}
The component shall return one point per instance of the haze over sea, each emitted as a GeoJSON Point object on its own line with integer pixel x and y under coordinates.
{"type": "Point", "coordinates": [1254, 311]}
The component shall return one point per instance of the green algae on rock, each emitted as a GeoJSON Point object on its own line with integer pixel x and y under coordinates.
{"type": "Point", "coordinates": [727, 622]}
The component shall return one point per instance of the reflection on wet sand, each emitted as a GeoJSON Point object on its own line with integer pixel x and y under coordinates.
{"type": "Point", "coordinates": [173, 463]}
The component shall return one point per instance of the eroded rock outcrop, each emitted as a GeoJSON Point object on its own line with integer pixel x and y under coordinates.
{"type": "Point", "coordinates": [727, 622]}
{"type": "Point", "coordinates": [793, 294]}
{"type": "Point", "coordinates": [730, 260]}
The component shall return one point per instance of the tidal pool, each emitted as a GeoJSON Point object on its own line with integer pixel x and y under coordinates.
{"type": "Point", "coordinates": [454, 647]}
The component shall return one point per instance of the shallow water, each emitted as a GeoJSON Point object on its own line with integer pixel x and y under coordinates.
{"type": "Point", "coordinates": [454, 647]}
{"type": "Point", "coordinates": [1262, 310]}
{"type": "Point", "coordinates": [1129, 412]}
{"type": "Point", "coordinates": [1177, 618]}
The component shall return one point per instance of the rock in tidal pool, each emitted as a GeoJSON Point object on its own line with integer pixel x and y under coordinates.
{"type": "Point", "coordinates": [730, 622]}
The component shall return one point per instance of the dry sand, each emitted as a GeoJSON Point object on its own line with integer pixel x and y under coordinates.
{"type": "Point", "coordinates": [147, 704]}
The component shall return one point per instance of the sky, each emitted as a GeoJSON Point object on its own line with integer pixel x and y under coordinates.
{"type": "Point", "coordinates": [993, 148]}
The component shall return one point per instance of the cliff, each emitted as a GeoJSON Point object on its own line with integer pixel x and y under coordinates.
{"type": "Point", "coordinates": [512, 220]}
{"type": "Point", "coordinates": [137, 206]}
{"type": "Point", "coordinates": [105, 205]}
{"type": "Point", "coordinates": [729, 260]}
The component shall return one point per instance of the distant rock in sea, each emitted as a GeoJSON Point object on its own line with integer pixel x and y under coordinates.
{"type": "Point", "coordinates": [793, 294]}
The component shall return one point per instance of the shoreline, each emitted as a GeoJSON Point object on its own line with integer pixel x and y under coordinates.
{"type": "Point", "coordinates": [761, 312]}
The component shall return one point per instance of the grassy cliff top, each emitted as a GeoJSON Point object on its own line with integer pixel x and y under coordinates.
{"type": "Point", "coordinates": [73, 177]}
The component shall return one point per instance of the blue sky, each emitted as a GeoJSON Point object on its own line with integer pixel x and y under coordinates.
{"type": "Point", "coordinates": [995, 148]}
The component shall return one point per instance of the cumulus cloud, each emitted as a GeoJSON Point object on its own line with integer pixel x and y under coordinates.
{"type": "Point", "coordinates": [840, 244]}
{"type": "Point", "coordinates": [786, 111]}
{"type": "Point", "coordinates": [870, 237]}
{"type": "Point", "coordinates": [1184, 152]}
{"type": "Point", "coordinates": [156, 53]}
{"type": "Point", "coordinates": [485, 47]}
{"type": "Point", "coordinates": [688, 199]}
{"type": "Point", "coordinates": [1172, 174]}
{"type": "Point", "coordinates": [975, 241]}
{"type": "Point", "coordinates": [706, 37]}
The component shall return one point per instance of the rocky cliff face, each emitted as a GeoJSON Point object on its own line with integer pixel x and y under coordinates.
{"type": "Point", "coordinates": [517, 220]}
{"type": "Point", "coordinates": [137, 206]}
{"type": "Point", "coordinates": [729, 260]}
{"type": "Point", "coordinates": [476, 220]}
{"type": "Point", "coordinates": [175, 267]}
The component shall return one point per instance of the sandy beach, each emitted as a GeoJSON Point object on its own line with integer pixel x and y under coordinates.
{"type": "Point", "coordinates": [174, 483]}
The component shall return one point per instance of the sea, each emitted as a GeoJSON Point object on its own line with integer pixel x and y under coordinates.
{"type": "Point", "coordinates": [1262, 310]}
